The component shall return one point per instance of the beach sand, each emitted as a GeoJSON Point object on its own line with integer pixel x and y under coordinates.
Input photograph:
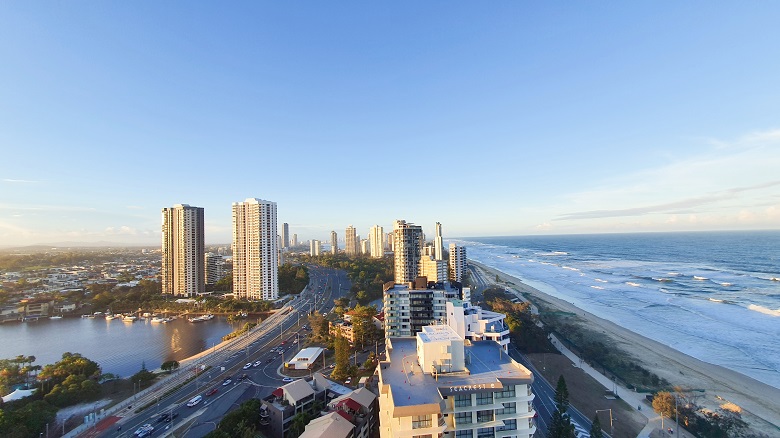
{"type": "Point", "coordinates": [760, 402]}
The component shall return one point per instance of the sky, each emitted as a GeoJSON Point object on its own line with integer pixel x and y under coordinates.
{"type": "Point", "coordinates": [493, 118]}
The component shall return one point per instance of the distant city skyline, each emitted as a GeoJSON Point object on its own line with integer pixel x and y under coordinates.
{"type": "Point", "coordinates": [543, 118]}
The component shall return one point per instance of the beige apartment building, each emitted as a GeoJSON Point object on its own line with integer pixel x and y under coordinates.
{"type": "Point", "coordinates": [183, 260]}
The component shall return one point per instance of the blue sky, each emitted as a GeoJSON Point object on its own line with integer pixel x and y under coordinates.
{"type": "Point", "coordinates": [494, 118]}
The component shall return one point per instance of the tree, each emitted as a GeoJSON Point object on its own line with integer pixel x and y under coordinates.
{"type": "Point", "coordinates": [299, 423]}
{"type": "Point", "coordinates": [560, 426]}
{"type": "Point", "coordinates": [169, 365]}
{"type": "Point", "coordinates": [595, 428]}
{"type": "Point", "coordinates": [341, 347]}
{"type": "Point", "coordinates": [663, 404]}
{"type": "Point", "coordinates": [144, 376]}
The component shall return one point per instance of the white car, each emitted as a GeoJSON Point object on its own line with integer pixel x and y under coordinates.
{"type": "Point", "coordinates": [288, 379]}
{"type": "Point", "coordinates": [248, 366]}
{"type": "Point", "coordinates": [144, 430]}
{"type": "Point", "coordinates": [194, 401]}
{"type": "Point", "coordinates": [257, 364]}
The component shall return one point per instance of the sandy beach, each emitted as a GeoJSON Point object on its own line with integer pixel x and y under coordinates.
{"type": "Point", "coordinates": [760, 402]}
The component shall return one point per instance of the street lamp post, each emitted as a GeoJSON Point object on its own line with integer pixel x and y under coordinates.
{"type": "Point", "coordinates": [611, 426]}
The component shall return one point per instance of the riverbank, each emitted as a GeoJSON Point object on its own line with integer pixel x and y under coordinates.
{"type": "Point", "coordinates": [758, 401]}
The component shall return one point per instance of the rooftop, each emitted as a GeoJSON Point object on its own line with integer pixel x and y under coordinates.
{"type": "Point", "coordinates": [487, 366]}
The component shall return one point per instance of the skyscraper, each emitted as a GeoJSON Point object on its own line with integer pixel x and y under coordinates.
{"type": "Point", "coordinates": [376, 238]}
{"type": "Point", "coordinates": [183, 260]}
{"type": "Point", "coordinates": [255, 263]}
{"type": "Point", "coordinates": [457, 262]}
{"type": "Point", "coordinates": [351, 246]}
{"type": "Point", "coordinates": [285, 235]}
{"type": "Point", "coordinates": [315, 247]}
{"type": "Point", "coordinates": [407, 249]}
{"type": "Point", "coordinates": [437, 243]}
{"type": "Point", "coordinates": [294, 240]}
{"type": "Point", "coordinates": [334, 242]}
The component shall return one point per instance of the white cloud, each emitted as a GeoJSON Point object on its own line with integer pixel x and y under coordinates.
{"type": "Point", "coordinates": [730, 184]}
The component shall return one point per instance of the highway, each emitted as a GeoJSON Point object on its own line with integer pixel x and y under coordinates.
{"type": "Point", "coordinates": [280, 331]}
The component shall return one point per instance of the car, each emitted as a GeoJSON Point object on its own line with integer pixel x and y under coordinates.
{"type": "Point", "coordinates": [172, 417]}
{"type": "Point", "coordinates": [288, 379]}
{"type": "Point", "coordinates": [243, 376]}
{"type": "Point", "coordinates": [269, 360]}
{"type": "Point", "coordinates": [227, 382]}
{"type": "Point", "coordinates": [248, 366]}
{"type": "Point", "coordinates": [144, 430]}
{"type": "Point", "coordinates": [212, 392]}
{"type": "Point", "coordinates": [257, 364]}
{"type": "Point", "coordinates": [163, 417]}
{"type": "Point", "coordinates": [333, 365]}
{"type": "Point", "coordinates": [194, 401]}
{"type": "Point", "coordinates": [348, 381]}
{"type": "Point", "coordinates": [282, 343]}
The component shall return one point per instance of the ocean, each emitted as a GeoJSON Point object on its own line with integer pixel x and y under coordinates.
{"type": "Point", "coordinates": [712, 295]}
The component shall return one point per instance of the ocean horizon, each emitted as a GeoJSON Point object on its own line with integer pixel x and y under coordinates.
{"type": "Point", "coordinates": [712, 295]}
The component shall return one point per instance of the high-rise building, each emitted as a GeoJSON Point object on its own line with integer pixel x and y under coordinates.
{"type": "Point", "coordinates": [294, 240]}
{"type": "Point", "coordinates": [439, 384]}
{"type": "Point", "coordinates": [376, 239]}
{"type": "Point", "coordinates": [255, 262]}
{"type": "Point", "coordinates": [334, 243]}
{"type": "Point", "coordinates": [389, 241]}
{"type": "Point", "coordinates": [365, 247]}
{"type": "Point", "coordinates": [215, 268]}
{"type": "Point", "coordinates": [285, 235]}
{"type": "Point", "coordinates": [434, 270]}
{"type": "Point", "coordinates": [351, 247]}
{"type": "Point", "coordinates": [457, 262]}
{"type": "Point", "coordinates": [437, 243]}
{"type": "Point", "coordinates": [407, 249]}
{"type": "Point", "coordinates": [183, 260]}
{"type": "Point", "coordinates": [408, 307]}
{"type": "Point", "coordinates": [315, 247]}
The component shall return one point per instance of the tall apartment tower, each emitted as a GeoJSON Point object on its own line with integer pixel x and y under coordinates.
{"type": "Point", "coordinates": [285, 235]}
{"type": "Point", "coordinates": [315, 248]}
{"type": "Point", "coordinates": [183, 259]}
{"type": "Point", "coordinates": [334, 243]}
{"type": "Point", "coordinates": [294, 240]}
{"type": "Point", "coordinates": [352, 246]}
{"type": "Point", "coordinates": [438, 247]}
{"type": "Point", "coordinates": [215, 268]}
{"type": "Point", "coordinates": [389, 241]}
{"type": "Point", "coordinates": [255, 262]}
{"type": "Point", "coordinates": [407, 249]}
{"type": "Point", "coordinates": [376, 238]}
{"type": "Point", "coordinates": [457, 262]}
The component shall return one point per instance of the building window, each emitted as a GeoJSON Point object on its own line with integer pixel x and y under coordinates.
{"type": "Point", "coordinates": [507, 392]}
{"type": "Point", "coordinates": [484, 416]}
{"type": "Point", "coordinates": [509, 408]}
{"type": "Point", "coordinates": [421, 421]}
{"type": "Point", "coordinates": [463, 418]}
{"type": "Point", "coordinates": [464, 433]}
{"type": "Point", "coordinates": [484, 398]}
{"type": "Point", "coordinates": [508, 425]}
{"type": "Point", "coordinates": [462, 400]}
{"type": "Point", "coordinates": [485, 432]}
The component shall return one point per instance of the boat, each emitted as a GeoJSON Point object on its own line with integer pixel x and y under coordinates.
{"type": "Point", "coordinates": [110, 316]}
{"type": "Point", "coordinates": [146, 314]}
{"type": "Point", "coordinates": [129, 318]}
{"type": "Point", "coordinates": [157, 319]}
{"type": "Point", "coordinates": [201, 318]}
{"type": "Point", "coordinates": [55, 317]}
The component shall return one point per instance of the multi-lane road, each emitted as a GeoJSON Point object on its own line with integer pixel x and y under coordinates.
{"type": "Point", "coordinates": [222, 385]}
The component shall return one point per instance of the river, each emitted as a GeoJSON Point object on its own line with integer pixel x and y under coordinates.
{"type": "Point", "coordinates": [119, 347]}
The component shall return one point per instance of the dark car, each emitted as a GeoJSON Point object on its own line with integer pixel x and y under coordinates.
{"type": "Point", "coordinates": [212, 392]}
{"type": "Point", "coordinates": [171, 417]}
{"type": "Point", "coordinates": [163, 417]}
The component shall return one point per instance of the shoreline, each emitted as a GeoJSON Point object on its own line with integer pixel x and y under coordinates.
{"type": "Point", "coordinates": [721, 384]}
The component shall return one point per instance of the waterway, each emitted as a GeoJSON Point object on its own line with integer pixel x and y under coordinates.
{"type": "Point", "coordinates": [119, 347]}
